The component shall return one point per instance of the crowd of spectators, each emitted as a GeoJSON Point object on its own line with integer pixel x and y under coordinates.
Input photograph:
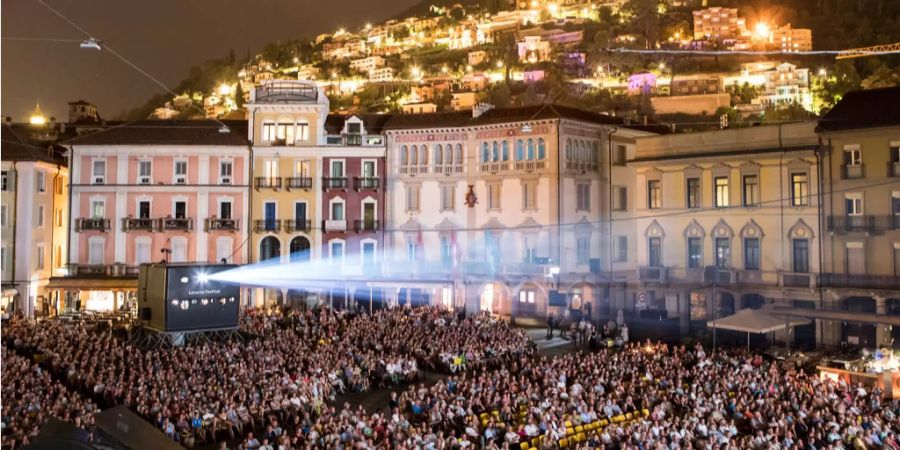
{"type": "Point", "coordinates": [277, 389]}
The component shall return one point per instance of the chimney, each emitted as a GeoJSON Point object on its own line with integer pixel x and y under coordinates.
{"type": "Point", "coordinates": [480, 109]}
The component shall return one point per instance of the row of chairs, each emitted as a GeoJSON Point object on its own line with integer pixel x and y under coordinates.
{"type": "Point", "coordinates": [578, 433]}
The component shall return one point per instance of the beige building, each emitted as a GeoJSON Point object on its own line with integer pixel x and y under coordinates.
{"type": "Point", "coordinates": [861, 208]}
{"type": "Point", "coordinates": [729, 215]}
{"type": "Point", "coordinates": [33, 218]}
{"type": "Point", "coordinates": [792, 39]}
{"type": "Point", "coordinates": [718, 24]}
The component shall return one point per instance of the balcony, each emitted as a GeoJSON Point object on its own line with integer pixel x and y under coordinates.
{"type": "Point", "coordinates": [267, 183]}
{"type": "Point", "coordinates": [719, 276]}
{"type": "Point", "coordinates": [894, 169]}
{"type": "Point", "coordinates": [91, 224]}
{"type": "Point", "coordinates": [524, 268]}
{"type": "Point", "coordinates": [292, 226]}
{"type": "Point", "coordinates": [843, 280]}
{"type": "Point", "coordinates": [355, 139]}
{"type": "Point", "coordinates": [177, 223]}
{"type": "Point", "coordinates": [413, 170]}
{"type": "Point", "coordinates": [493, 167]}
{"type": "Point", "coordinates": [334, 183]}
{"type": "Point", "coordinates": [797, 280]}
{"type": "Point", "coordinates": [103, 270]}
{"type": "Point", "coordinates": [334, 225]}
{"type": "Point", "coordinates": [139, 224]}
{"type": "Point", "coordinates": [215, 223]}
{"type": "Point", "coordinates": [299, 183]}
{"type": "Point", "coordinates": [448, 169]}
{"type": "Point", "coordinates": [849, 172]}
{"type": "Point", "coordinates": [530, 166]}
{"type": "Point", "coordinates": [366, 183]}
{"type": "Point", "coordinates": [863, 223]}
{"type": "Point", "coordinates": [267, 226]}
{"type": "Point", "coordinates": [653, 274]}
{"type": "Point", "coordinates": [749, 277]}
{"type": "Point", "coordinates": [366, 225]}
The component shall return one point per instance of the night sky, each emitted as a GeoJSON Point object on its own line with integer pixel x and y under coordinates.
{"type": "Point", "coordinates": [163, 37]}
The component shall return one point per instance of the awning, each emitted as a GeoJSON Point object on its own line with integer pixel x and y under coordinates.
{"type": "Point", "coordinates": [755, 321]}
{"type": "Point", "coordinates": [98, 284]}
{"type": "Point", "coordinates": [9, 290]}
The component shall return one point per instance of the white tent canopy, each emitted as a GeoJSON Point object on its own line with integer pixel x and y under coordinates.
{"type": "Point", "coordinates": [755, 321]}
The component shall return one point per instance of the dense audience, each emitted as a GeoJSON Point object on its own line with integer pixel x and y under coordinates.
{"type": "Point", "coordinates": [278, 389]}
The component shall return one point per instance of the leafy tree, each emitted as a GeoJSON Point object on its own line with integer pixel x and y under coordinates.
{"type": "Point", "coordinates": [239, 96]}
{"type": "Point", "coordinates": [644, 20]}
{"type": "Point", "coordinates": [828, 90]}
{"type": "Point", "coordinates": [882, 77]}
{"type": "Point", "coordinates": [498, 95]}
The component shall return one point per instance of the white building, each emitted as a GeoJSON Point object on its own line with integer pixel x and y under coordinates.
{"type": "Point", "coordinates": [367, 65]}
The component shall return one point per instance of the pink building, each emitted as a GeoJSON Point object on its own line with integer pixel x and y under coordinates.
{"type": "Point", "coordinates": [149, 191]}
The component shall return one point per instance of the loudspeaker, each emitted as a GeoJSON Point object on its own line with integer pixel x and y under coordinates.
{"type": "Point", "coordinates": [145, 313]}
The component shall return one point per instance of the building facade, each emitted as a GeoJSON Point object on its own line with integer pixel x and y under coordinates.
{"type": "Point", "coordinates": [726, 220]}
{"type": "Point", "coordinates": [317, 183]}
{"type": "Point", "coordinates": [718, 24]}
{"type": "Point", "coordinates": [861, 211]}
{"type": "Point", "coordinates": [33, 218]}
{"type": "Point", "coordinates": [498, 209]}
{"type": "Point", "coordinates": [152, 191]}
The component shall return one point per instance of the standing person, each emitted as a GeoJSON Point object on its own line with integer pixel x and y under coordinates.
{"type": "Point", "coordinates": [550, 320]}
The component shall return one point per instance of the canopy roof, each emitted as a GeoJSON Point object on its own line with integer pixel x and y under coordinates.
{"type": "Point", "coordinates": [755, 321]}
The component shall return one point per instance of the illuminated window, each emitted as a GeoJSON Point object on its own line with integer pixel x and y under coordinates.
{"type": "Point", "coordinates": [799, 189]}
{"type": "Point", "coordinates": [721, 192]}
{"type": "Point", "coordinates": [654, 194]}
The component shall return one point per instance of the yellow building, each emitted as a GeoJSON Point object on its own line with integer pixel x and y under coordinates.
{"type": "Point", "coordinates": [34, 214]}
{"type": "Point", "coordinates": [861, 209]}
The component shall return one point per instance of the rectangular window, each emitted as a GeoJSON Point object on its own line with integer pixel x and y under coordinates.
{"type": "Point", "coordinates": [337, 169]}
{"type": "Point", "coordinates": [583, 249]}
{"type": "Point", "coordinates": [225, 210]}
{"type": "Point", "coordinates": [300, 214]}
{"type": "Point", "coordinates": [446, 251]}
{"type": "Point", "coordinates": [620, 198]}
{"type": "Point", "coordinates": [410, 249]}
{"type": "Point", "coordinates": [60, 185]}
{"type": "Point", "coordinates": [751, 254]}
{"type": "Point", "coordinates": [368, 254]}
{"type": "Point", "coordinates": [98, 209]}
{"type": "Point", "coordinates": [529, 196]}
{"type": "Point", "coordinates": [59, 218]}
{"type": "Point", "coordinates": [180, 211]}
{"type": "Point", "coordinates": [141, 252]}
{"type": "Point", "coordinates": [751, 190]}
{"type": "Point", "coordinates": [695, 252]}
{"type": "Point", "coordinates": [337, 211]}
{"type": "Point", "coordinates": [3, 215]}
{"type": "Point", "coordinates": [447, 197]}
{"type": "Point", "coordinates": [412, 198]}
{"type": "Point", "coordinates": [180, 172]}
{"type": "Point", "coordinates": [654, 252]}
{"type": "Point", "coordinates": [179, 250]}
{"type": "Point", "coordinates": [493, 196]}
{"type": "Point", "coordinates": [144, 171]}
{"type": "Point", "coordinates": [895, 152]}
{"type": "Point", "coordinates": [855, 258]}
{"type": "Point", "coordinates": [621, 248]}
{"type": "Point", "coordinates": [852, 155]}
{"type": "Point", "coordinates": [39, 260]}
{"type": "Point", "coordinates": [41, 181]}
{"type": "Point", "coordinates": [337, 251]}
{"type": "Point", "coordinates": [98, 172]}
{"type": "Point", "coordinates": [693, 192]}
{"type": "Point", "coordinates": [40, 216]}
{"type": "Point", "coordinates": [583, 197]}
{"type": "Point", "coordinates": [302, 132]}
{"type": "Point", "coordinates": [723, 253]}
{"type": "Point", "coordinates": [96, 251]}
{"type": "Point", "coordinates": [800, 251]}
{"type": "Point", "coordinates": [799, 189]}
{"type": "Point", "coordinates": [721, 192]}
{"type": "Point", "coordinates": [225, 168]}
{"type": "Point", "coordinates": [4, 181]}
{"type": "Point", "coordinates": [143, 209]}
{"type": "Point", "coordinates": [654, 194]}
{"type": "Point", "coordinates": [526, 296]}
{"type": "Point", "coordinates": [57, 256]}
{"type": "Point", "coordinates": [853, 203]}
{"type": "Point", "coordinates": [268, 132]}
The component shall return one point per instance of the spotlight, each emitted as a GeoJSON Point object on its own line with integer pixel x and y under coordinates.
{"type": "Point", "coordinates": [202, 277]}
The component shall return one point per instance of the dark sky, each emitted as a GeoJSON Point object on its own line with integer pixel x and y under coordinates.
{"type": "Point", "coordinates": [163, 37]}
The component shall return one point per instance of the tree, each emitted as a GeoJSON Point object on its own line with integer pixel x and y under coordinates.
{"type": "Point", "coordinates": [644, 20]}
{"type": "Point", "coordinates": [239, 96]}
{"type": "Point", "coordinates": [881, 77]}
{"type": "Point", "coordinates": [499, 95]}
{"type": "Point", "coordinates": [829, 90]}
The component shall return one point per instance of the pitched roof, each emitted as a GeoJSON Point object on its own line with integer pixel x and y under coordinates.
{"type": "Point", "coordinates": [18, 148]}
{"type": "Point", "coordinates": [497, 115]}
{"type": "Point", "coordinates": [168, 132]}
{"type": "Point", "coordinates": [864, 109]}
{"type": "Point", "coordinates": [373, 123]}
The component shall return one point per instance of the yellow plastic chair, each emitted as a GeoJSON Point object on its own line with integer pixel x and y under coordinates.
{"type": "Point", "coordinates": [523, 446]}
{"type": "Point", "coordinates": [604, 422]}
{"type": "Point", "coordinates": [646, 412]}
{"type": "Point", "coordinates": [564, 443]}
{"type": "Point", "coordinates": [579, 429]}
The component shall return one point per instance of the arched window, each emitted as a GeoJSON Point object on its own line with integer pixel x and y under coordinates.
{"type": "Point", "coordinates": [530, 149]}
{"type": "Point", "coordinates": [269, 248]}
{"type": "Point", "coordinates": [423, 155]}
{"type": "Point", "coordinates": [404, 155]}
{"type": "Point", "coordinates": [495, 152]}
{"type": "Point", "coordinates": [520, 150]}
{"type": "Point", "coordinates": [569, 155]}
{"type": "Point", "coordinates": [448, 154]}
{"type": "Point", "coordinates": [414, 156]}
{"type": "Point", "coordinates": [506, 150]}
{"type": "Point", "coordinates": [459, 154]}
{"type": "Point", "coordinates": [595, 155]}
{"type": "Point", "coordinates": [439, 155]}
{"type": "Point", "coordinates": [300, 249]}
{"type": "Point", "coordinates": [485, 152]}
{"type": "Point", "coordinates": [542, 149]}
